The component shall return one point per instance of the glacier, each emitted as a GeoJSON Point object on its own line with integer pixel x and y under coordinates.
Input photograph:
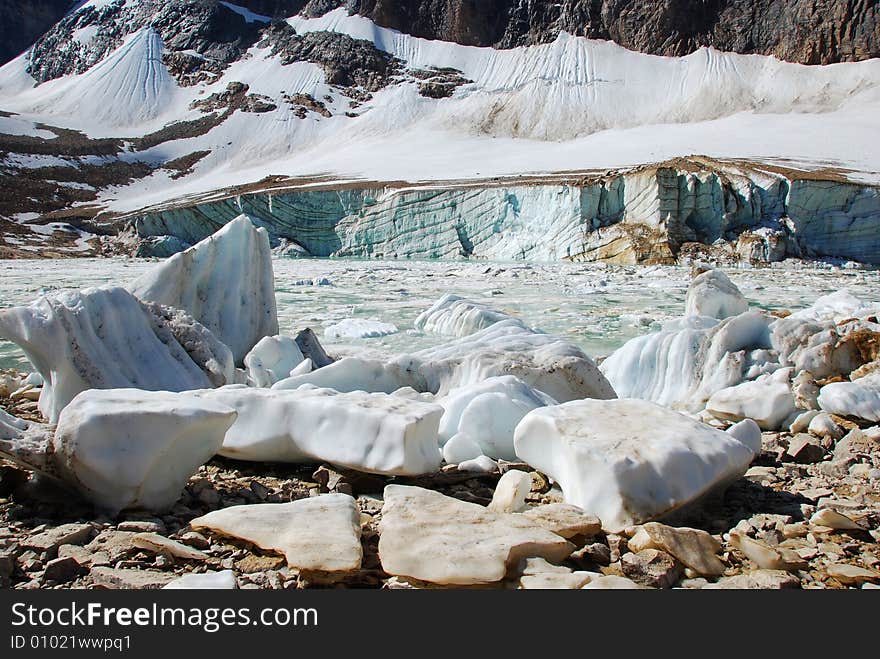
{"type": "Point", "coordinates": [642, 216]}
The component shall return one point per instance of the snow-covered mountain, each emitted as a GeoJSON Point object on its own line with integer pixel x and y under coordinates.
{"type": "Point", "coordinates": [157, 122]}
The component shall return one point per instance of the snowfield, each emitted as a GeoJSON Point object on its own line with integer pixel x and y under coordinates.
{"type": "Point", "coordinates": [571, 105]}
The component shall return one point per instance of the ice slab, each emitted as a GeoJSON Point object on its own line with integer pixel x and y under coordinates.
{"type": "Point", "coordinates": [226, 282]}
{"type": "Point", "coordinates": [375, 433]}
{"type": "Point", "coordinates": [860, 398]}
{"type": "Point", "coordinates": [547, 363]}
{"type": "Point", "coordinates": [712, 294]}
{"type": "Point", "coordinates": [359, 328]}
{"type": "Point", "coordinates": [488, 412]}
{"type": "Point", "coordinates": [271, 360]}
{"type": "Point", "coordinates": [682, 365]}
{"type": "Point", "coordinates": [766, 401]}
{"type": "Point", "coordinates": [105, 338]}
{"type": "Point", "coordinates": [456, 316]}
{"type": "Point", "coordinates": [628, 461]}
{"type": "Point", "coordinates": [126, 448]}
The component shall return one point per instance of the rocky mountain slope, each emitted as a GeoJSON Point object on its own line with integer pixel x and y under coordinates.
{"type": "Point", "coordinates": [805, 31]}
{"type": "Point", "coordinates": [127, 115]}
{"type": "Point", "coordinates": [21, 23]}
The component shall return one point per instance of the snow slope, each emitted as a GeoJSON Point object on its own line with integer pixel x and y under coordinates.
{"type": "Point", "coordinates": [571, 105]}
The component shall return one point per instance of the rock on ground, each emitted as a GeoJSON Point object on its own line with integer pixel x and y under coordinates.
{"type": "Point", "coordinates": [321, 534]}
{"type": "Point", "coordinates": [431, 537]}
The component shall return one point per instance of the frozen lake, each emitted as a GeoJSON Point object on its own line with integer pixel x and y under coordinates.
{"type": "Point", "coordinates": [597, 306]}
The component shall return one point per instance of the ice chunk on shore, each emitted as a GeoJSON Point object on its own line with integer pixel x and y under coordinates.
{"type": "Point", "coordinates": [456, 316]}
{"type": "Point", "coordinates": [682, 365]}
{"type": "Point", "coordinates": [224, 580]}
{"type": "Point", "coordinates": [488, 412]}
{"type": "Point", "coordinates": [375, 433]}
{"type": "Point", "coordinates": [712, 294]}
{"type": "Point", "coordinates": [747, 432]}
{"type": "Point", "coordinates": [105, 338]}
{"type": "Point", "coordinates": [768, 402]}
{"type": "Point", "coordinates": [860, 398]}
{"type": "Point", "coordinates": [126, 448]}
{"type": "Point", "coordinates": [359, 328]}
{"type": "Point", "coordinates": [226, 282]}
{"type": "Point", "coordinates": [271, 360]}
{"type": "Point", "coordinates": [628, 461]}
{"type": "Point", "coordinates": [428, 536]}
{"type": "Point", "coordinates": [547, 363]}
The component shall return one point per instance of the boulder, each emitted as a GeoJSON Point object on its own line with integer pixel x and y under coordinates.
{"type": "Point", "coordinates": [428, 536]}
{"type": "Point", "coordinates": [318, 535]}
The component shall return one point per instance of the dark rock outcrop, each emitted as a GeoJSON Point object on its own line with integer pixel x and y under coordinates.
{"type": "Point", "coordinates": [806, 31]}
{"type": "Point", "coordinates": [21, 23]}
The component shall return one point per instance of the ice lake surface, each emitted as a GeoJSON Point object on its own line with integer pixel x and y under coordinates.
{"type": "Point", "coordinates": [597, 306]}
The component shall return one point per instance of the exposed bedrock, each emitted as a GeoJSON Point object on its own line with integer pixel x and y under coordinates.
{"type": "Point", "coordinates": [647, 216]}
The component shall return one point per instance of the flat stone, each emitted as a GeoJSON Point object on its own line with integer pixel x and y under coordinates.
{"type": "Point", "coordinates": [161, 545]}
{"type": "Point", "coordinates": [142, 526]}
{"type": "Point", "coordinates": [51, 539]}
{"type": "Point", "coordinates": [651, 567]}
{"type": "Point", "coordinates": [62, 570]}
{"type": "Point", "coordinates": [252, 564]}
{"type": "Point", "coordinates": [693, 547]}
{"type": "Point", "coordinates": [856, 443]}
{"type": "Point", "coordinates": [757, 580]}
{"type": "Point", "coordinates": [319, 534]}
{"type": "Point", "coordinates": [80, 554]}
{"type": "Point", "coordinates": [194, 539]}
{"type": "Point", "coordinates": [115, 545]}
{"type": "Point", "coordinates": [428, 536]}
{"type": "Point", "coordinates": [565, 519]}
{"type": "Point", "coordinates": [764, 556]}
{"type": "Point", "coordinates": [834, 520]}
{"type": "Point", "coordinates": [805, 449]}
{"type": "Point", "coordinates": [852, 575]}
{"type": "Point", "coordinates": [129, 579]}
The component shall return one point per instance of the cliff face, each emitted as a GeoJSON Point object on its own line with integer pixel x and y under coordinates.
{"type": "Point", "coordinates": [22, 22]}
{"type": "Point", "coordinates": [805, 31]}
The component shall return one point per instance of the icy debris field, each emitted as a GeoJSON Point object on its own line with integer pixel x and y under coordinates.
{"type": "Point", "coordinates": [597, 306]}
